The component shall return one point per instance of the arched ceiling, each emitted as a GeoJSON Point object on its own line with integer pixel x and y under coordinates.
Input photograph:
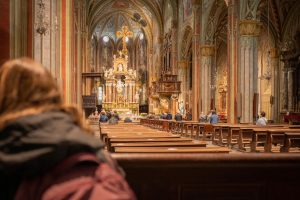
{"type": "Point", "coordinates": [102, 13]}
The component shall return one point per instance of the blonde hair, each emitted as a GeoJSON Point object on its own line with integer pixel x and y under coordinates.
{"type": "Point", "coordinates": [27, 88]}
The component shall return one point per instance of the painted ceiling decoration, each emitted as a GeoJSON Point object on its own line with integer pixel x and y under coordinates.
{"type": "Point", "coordinates": [139, 15]}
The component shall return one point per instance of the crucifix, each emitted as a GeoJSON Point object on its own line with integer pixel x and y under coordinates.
{"type": "Point", "coordinates": [124, 33]}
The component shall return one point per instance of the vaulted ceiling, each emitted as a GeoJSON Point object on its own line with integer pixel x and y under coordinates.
{"type": "Point", "coordinates": [105, 16]}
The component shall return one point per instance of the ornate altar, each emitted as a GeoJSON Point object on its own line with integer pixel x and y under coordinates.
{"type": "Point", "coordinates": [121, 91]}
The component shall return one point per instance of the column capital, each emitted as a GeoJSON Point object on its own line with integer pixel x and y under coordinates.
{"type": "Point", "coordinates": [207, 50]}
{"type": "Point", "coordinates": [249, 27]}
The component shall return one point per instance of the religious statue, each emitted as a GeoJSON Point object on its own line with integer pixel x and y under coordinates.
{"type": "Point", "coordinates": [181, 108]}
{"type": "Point", "coordinates": [137, 97]}
{"type": "Point", "coordinates": [120, 54]}
{"type": "Point", "coordinates": [130, 72]}
{"type": "Point", "coordinates": [120, 67]}
{"type": "Point", "coordinates": [105, 73]}
{"type": "Point", "coordinates": [120, 86]}
{"type": "Point", "coordinates": [110, 73]}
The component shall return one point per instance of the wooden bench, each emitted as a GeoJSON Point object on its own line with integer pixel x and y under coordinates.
{"type": "Point", "coordinates": [169, 144]}
{"type": "Point", "coordinates": [289, 139]}
{"type": "Point", "coordinates": [171, 150]}
{"type": "Point", "coordinates": [193, 176]}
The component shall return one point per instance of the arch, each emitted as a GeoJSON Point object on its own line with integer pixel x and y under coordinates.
{"type": "Point", "coordinates": [290, 25]}
{"type": "Point", "coordinates": [249, 9]}
{"type": "Point", "coordinates": [216, 20]}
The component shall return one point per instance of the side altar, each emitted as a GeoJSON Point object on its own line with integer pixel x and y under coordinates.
{"type": "Point", "coordinates": [121, 91]}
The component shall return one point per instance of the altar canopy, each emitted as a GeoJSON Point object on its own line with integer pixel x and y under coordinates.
{"type": "Point", "coordinates": [121, 90]}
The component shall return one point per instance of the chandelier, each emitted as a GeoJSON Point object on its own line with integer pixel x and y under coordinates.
{"type": "Point", "coordinates": [42, 25]}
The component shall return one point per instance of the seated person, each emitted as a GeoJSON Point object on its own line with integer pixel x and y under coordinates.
{"type": "Point", "coordinates": [262, 121]}
{"type": "Point", "coordinates": [169, 116]}
{"type": "Point", "coordinates": [116, 115]}
{"type": "Point", "coordinates": [188, 116]}
{"type": "Point", "coordinates": [114, 119]}
{"type": "Point", "coordinates": [127, 120]}
{"type": "Point", "coordinates": [202, 117]}
{"type": "Point", "coordinates": [103, 117]}
{"type": "Point", "coordinates": [178, 117]}
{"type": "Point", "coordinates": [163, 116]}
{"type": "Point", "coordinates": [214, 118]}
{"type": "Point", "coordinates": [47, 150]}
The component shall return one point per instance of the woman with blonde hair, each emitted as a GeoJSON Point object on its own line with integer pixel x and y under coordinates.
{"type": "Point", "coordinates": [46, 150]}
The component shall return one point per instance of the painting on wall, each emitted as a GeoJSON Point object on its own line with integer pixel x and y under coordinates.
{"type": "Point", "coordinates": [187, 8]}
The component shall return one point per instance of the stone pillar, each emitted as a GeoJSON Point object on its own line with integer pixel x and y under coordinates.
{"type": "Point", "coordinates": [232, 48]}
{"type": "Point", "coordinates": [207, 52]}
{"type": "Point", "coordinates": [283, 88]}
{"type": "Point", "coordinates": [125, 92]}
{"type": "Point", "coordinates": [130, 93]}
{"type": "Point", "coordinates": [182, 68]}
{"type": "Point", "coordinates": [275, 85]}
{"type": "Point", "coordinates": [249, 30]}
{"type": "Point", "coordinates": [174, 47]}
{"type": "Point", "coordinates": [134, 91]}
{"type": "Point", "coordinates": [196, 59]}
{"type": "Point", "coordinates": [290, 95]}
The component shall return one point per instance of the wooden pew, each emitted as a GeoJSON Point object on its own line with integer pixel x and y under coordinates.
{"type": "Point", "coordinates": [169, 144]}
{"type": "Point", "coordinates": [187, 176]}
{"type": "Point", "coordinates": [290, 138]}
{"type": "Point", "coordinates": [171, 150]}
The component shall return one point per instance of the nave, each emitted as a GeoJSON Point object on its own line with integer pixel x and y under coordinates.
{"type": "Point", "coordinates": [166, 159]}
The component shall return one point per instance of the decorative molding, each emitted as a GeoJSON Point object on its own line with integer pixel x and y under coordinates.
{"type": "Point", "coordinates": [250, 27]}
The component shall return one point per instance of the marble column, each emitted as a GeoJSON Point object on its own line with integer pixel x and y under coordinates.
{"type": "Point", "coordinates": [174, 40]}
{"type": "Point", "coordinates": [248, 73]}
{"type": "Point", "coordinates": [196, 43]}
{"type": "Point", "coordinates": [125, 92]}
{"type": "Point", "coordinates": [207, 52]}
{"type": "Point", "coordinates": [134, 91]}
{"type": "Point", "coordinates": [284, 89]}
{"type": "Point", "coordinates": [130, 92]}
{"type": "Point", "coordinates": [182, 68]}
{"type": "Point", "coordinates": [290, 83]}
{"type": "Point", "coordinates": [275, 84]}
{"type": "Point", "coordinates": [232, 52]}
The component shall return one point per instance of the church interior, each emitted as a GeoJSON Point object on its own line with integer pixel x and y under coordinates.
{"type": "Point", "coordinates": [146, 58]}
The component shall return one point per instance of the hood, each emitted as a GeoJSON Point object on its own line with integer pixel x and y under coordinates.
{"type": "Point", "coordinates": [31, 145]}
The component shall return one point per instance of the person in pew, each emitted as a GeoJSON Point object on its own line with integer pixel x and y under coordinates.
{"type": "Point", "coordinates": [46, 149]}
{"type": "Point", "coordinates": [188, 116]}
{"type": "Point", "coordinates": [127, 120]}
{"type": "Point", "coordinates": [109, 114]}
{"type": "Point", "coordinates": [202, 118]}
{"type": "Point", "coordinates": [214, 118]}
{"type": "Point", "coordinates": [163, 116]}
{"type": "Point", "coordinates": [169, 116]}
{"type": "Point", "coordinates": [114, 119]}
{"type": "Point", "coordinates": [116, 115]}
{"type": "Point", "coordinates": [103, 118]}
{"type": "Point", "coordinates": [262, 121]}
{"type": "Point", "coordinates": [178, 116]}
